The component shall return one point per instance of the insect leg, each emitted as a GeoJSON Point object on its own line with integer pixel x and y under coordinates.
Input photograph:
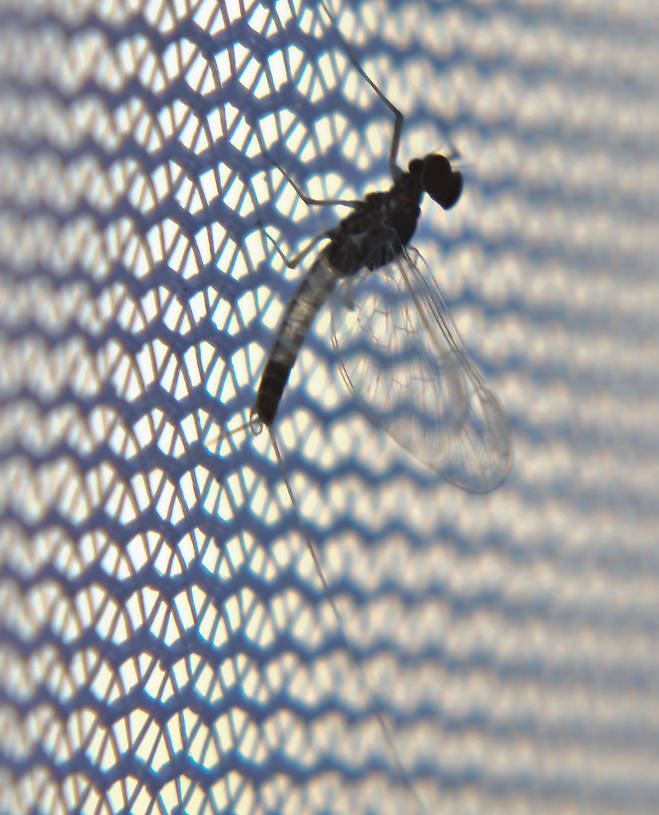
{"type": "Point", "coordinates": [293, 262]}
{"type": "Point", "coordinates": [398, 116]}
{"type": "Point", "coordinates": [346, 202]}
{"type": "Point", "coordinates": [453, 152]}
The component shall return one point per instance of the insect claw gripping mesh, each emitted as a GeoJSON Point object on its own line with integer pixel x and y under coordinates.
{"type": "Point", "coordinates": [166, 646]}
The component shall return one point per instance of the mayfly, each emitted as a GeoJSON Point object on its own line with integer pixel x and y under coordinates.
{"type": "Point", "coordinates": [398, 349]}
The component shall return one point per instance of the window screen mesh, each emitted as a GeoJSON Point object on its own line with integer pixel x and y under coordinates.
{"type": "Point", "coordinates": [166, 643]}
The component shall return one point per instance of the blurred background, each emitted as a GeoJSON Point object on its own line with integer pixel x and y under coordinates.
{"type": "Point", "coordinates": [165, 643]}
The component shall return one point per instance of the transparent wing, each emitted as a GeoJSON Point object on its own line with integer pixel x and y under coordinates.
{"type": "Point", "coordinates": [402, 356]}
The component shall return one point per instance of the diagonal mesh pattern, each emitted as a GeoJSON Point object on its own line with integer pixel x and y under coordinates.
{"type": "Point", "coordinates": [166, 646]}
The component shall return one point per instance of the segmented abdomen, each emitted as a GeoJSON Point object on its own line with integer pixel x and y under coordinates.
{"type": "Point", "coordinates": [311, 293]}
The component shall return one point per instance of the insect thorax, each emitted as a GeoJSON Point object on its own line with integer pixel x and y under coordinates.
{"type": "Point", "coordinates": [375, 233]}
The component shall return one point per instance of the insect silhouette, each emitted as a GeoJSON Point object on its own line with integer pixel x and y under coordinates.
{"type": "Point", "coordinates": [397, 347]}
{"type": "Point", "coordinates": [414, 378]}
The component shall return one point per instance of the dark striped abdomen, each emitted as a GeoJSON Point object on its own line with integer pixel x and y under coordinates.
{"type": "Point", "coordinates": [311, 293]}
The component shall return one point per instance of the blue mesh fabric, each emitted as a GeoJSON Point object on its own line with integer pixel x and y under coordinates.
{"type": "Point", "coordinates": [165, 643]}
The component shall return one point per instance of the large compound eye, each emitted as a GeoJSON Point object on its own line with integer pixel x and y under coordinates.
{"type": "Point", "coordinates": [442, 183]}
